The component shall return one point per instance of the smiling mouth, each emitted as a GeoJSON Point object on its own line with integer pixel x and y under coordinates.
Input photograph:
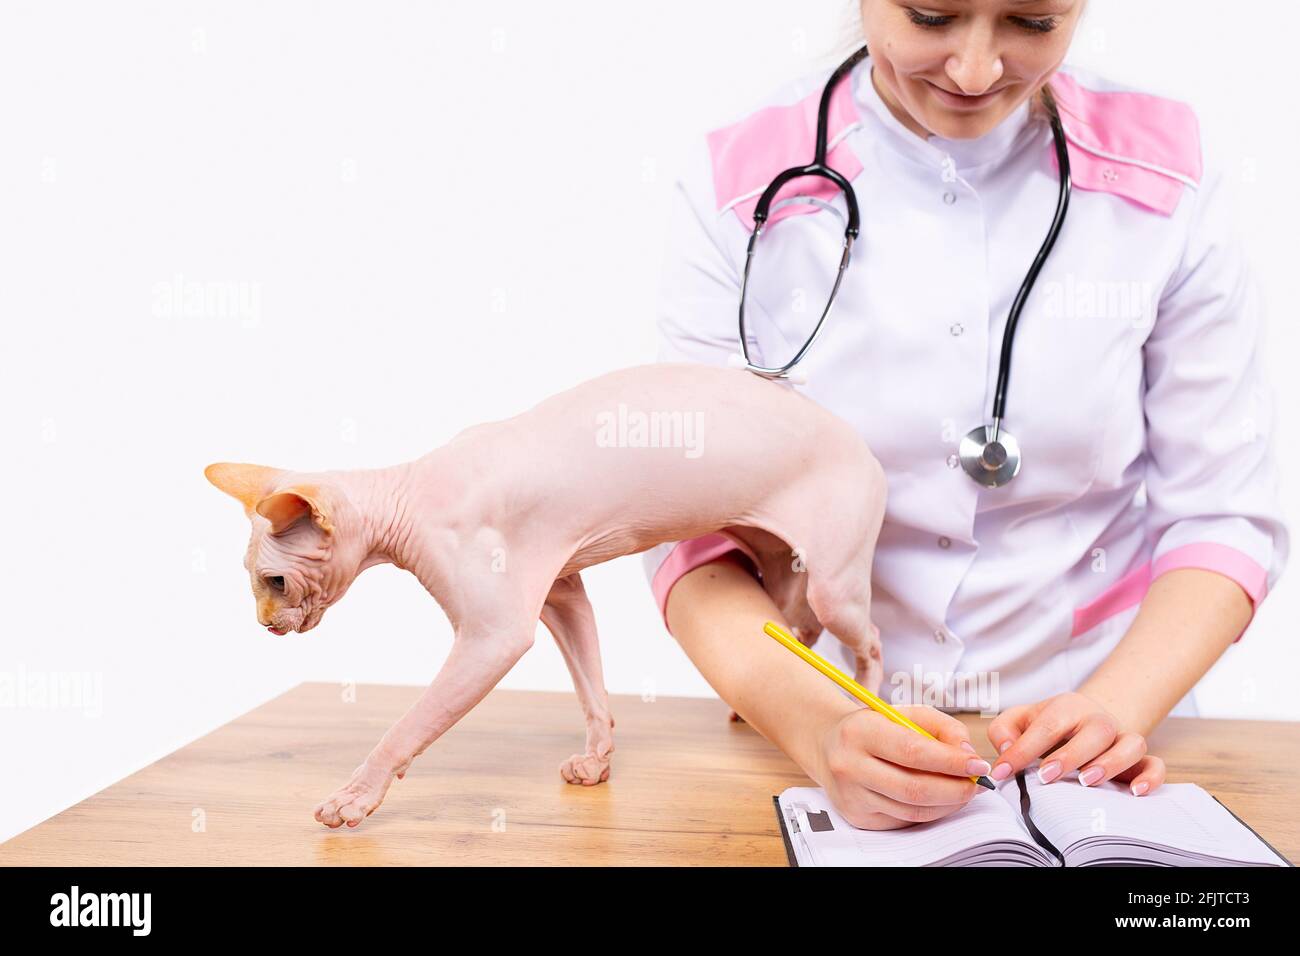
{"type": "Point", "coordinates": [962, 99]}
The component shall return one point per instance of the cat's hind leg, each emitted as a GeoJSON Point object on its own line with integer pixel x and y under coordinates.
{"type": "Point", "coordinates": [836, 545]}
{"type": "Point", "coordinates": [567, 614]}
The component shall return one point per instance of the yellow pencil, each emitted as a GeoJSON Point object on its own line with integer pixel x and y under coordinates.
{"type": "Point", "coordinates": [853, 687]}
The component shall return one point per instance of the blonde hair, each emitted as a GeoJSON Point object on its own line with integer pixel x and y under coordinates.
{"type": "Point", "coordinates": [1045, 100]}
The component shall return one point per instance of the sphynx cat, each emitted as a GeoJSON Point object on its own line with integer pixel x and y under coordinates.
{"type": "Point", "coordinates": [498, 523]}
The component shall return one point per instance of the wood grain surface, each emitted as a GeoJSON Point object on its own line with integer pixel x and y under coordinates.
{"type": "Point", "coordinates": [687, 787]}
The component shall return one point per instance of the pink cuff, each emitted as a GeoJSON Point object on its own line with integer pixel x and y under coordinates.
{"type": "Point", "coordinates": [1228, 561]}
{"type": "Point", "coordinates": [687, 556]}
{"type": "Point", "coordinates": [1208, 555]}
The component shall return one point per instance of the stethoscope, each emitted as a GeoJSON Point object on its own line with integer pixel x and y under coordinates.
{"type": "Point", "coordinates": [989, 453]}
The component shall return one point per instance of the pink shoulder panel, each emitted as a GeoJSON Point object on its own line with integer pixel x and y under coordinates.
{"type": "Point", "coordinates": [1144, 148]}
{"type": "Point", "coordinates": [748, 154]}
{"type": "Point", "coordinates": [1139, 146]}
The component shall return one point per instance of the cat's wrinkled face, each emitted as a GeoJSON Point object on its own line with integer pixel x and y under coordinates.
{"type": "Point", "coordinates": [287, 588]}
{"type": "Point", "coordinates": [294, 559]}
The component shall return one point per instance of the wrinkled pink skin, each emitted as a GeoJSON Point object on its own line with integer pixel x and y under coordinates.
{"type": "Point", "coordinates": [497, 523]}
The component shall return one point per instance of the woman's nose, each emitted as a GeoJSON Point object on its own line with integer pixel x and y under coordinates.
{"type": "Point", "coordinates": [976, 66]}
{"type": "Point", "coordinates": [978, 78]}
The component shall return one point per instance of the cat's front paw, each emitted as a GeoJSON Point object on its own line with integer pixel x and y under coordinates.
{"type": "Point", "coordinates": [356, 799]}
{"type": "Point", "coordinates": [587, 769]}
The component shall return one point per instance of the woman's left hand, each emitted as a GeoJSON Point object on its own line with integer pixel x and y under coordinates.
{"type": "Point", "coordinates": [1080, 735]}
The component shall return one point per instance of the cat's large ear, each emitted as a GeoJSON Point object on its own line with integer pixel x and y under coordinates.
{"type": "Point", "coordinates": [287, 506]}
{"type": "Point", "coordinates": [247, 483]}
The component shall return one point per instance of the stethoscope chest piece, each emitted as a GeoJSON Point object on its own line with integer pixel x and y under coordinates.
{"type": "Point", "coordinates": [991, 461]}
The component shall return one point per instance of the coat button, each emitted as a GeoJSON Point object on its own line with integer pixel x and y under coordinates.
{"type": "Point", "coordinates": [939, 636]}
{"type": "Point", "coordinates": [949, 198]}
{"type": "Point", "coordinates": [945, 541]}
{"type": "Point", "coordinates": [956, 328]}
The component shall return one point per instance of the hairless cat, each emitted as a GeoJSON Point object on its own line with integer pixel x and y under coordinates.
{"type": "Point", "coordinates": [498, 523]}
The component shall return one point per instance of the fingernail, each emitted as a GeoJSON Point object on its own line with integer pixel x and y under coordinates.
{"type": "Point", "coordinates": [1003, 746]}
{"type": "Point", "coordinates": [1002, 771]}
{"type": "Point", "coordinates": [1140, 788]}
{"type": "Point", "coordinates": [966, 746]}
{"type": "Point", "coordinates": [1049, 771]}
{"type": "Point", "coordinates": [1091, 776]}
{"type": "Point", "coordinates": [977, 768]}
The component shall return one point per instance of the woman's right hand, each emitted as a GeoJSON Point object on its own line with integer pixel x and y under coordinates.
{"type": "Point", "coordinates": [881, 776]}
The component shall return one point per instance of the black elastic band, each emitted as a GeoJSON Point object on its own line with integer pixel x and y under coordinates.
{"type": "Point", "coordinates": [1033, 830]}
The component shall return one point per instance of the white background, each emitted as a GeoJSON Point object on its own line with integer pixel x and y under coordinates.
{"type": "Point", "coordinates": [446, 212]}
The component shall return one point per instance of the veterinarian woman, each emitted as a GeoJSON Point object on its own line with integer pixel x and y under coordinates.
{"type": "Point", "coordinates": [1079, 607]}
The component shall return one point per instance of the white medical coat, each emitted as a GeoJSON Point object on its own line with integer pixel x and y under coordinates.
{"type": "Point", "coordinates": [1136, 390]}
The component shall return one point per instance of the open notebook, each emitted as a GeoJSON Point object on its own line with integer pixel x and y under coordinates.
{"type": "Point", "coordinates": [1027, 823]}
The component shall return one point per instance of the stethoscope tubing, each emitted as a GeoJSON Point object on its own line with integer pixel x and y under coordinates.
{"type": "Point", "coordinates": [992, 457]}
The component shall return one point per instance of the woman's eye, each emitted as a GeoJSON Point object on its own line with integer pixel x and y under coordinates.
{"type": "Point", "coordinates": [1036, 24]}
{"type": "Point", "coordinates": [276, 583]}
{"type": "Point", "coordinates": [927, 19]}
{"type": "Point", "coordinates": [1032, 24]}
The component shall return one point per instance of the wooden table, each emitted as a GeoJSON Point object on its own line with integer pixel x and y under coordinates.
{"type": "Point", "coordinates": [687, 787]}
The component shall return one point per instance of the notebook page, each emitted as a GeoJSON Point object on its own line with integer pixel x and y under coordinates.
{"type": "Point", "coordinates": [1179, 815]}
{"type": "Point", "coordinates": [989, 818]}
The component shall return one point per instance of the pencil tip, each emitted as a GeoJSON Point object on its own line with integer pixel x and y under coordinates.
{"type": "Point", "coordinates": [986, 782]}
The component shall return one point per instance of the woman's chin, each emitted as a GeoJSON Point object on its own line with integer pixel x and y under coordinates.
{"type": "Point", "coordinates": [951, 124]}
